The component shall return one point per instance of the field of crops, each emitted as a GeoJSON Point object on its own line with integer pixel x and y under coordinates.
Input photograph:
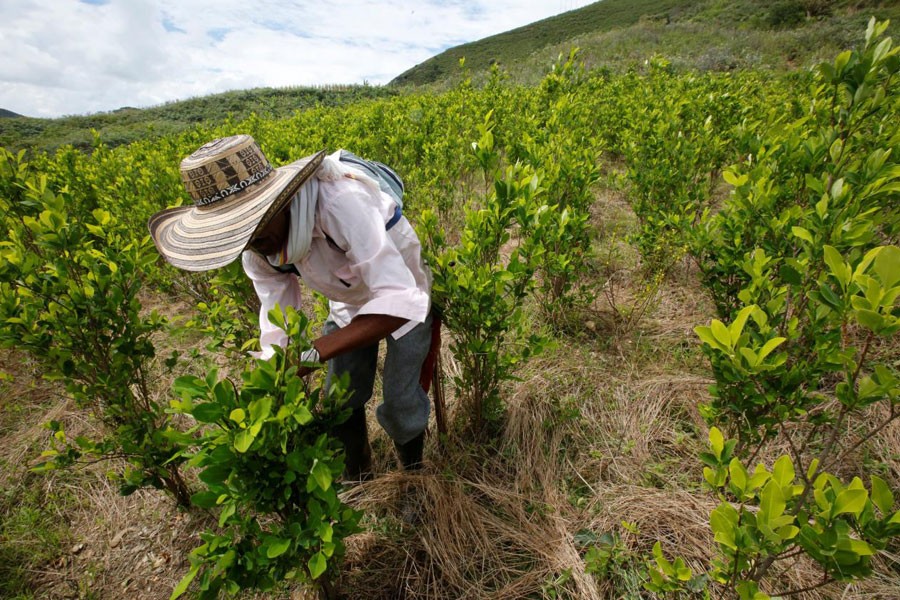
{"type": "Point", "coordinates": [670, 354]}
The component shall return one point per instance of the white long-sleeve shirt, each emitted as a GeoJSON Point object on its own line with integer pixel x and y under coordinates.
{"type": "Point", "coordinates": [362, 270]}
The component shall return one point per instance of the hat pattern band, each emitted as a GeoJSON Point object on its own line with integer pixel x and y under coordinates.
{"type": "Point", "coordinates": [217, 177]}
{"type": "Point", "coordinates": [232, 188]}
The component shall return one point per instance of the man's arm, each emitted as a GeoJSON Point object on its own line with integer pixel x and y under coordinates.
{"type": "Point", "coordinates": [362, 331]}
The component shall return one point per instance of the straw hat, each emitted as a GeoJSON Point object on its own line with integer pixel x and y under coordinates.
{"type": "Point", "coordinates": [235, 192]}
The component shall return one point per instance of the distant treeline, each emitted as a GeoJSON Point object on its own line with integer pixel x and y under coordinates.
{"type": "Point", "coordinates": [128, 124]}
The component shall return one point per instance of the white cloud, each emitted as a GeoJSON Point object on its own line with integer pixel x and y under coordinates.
{"type": "Point", "coordinates": [79, 57]}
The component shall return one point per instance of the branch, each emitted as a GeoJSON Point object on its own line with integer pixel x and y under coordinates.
{"type": "Point", "coordinates": [870, 435]}
{"type": "Point", "coordinates": [822, 583]}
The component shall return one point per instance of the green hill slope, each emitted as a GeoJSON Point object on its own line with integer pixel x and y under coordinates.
{"type": "Point", "coordinates": [701, 34]}
{"type": "Point", "coordinates": [129, 124]}
{"type": "Point", "coordinates": [512, 45]}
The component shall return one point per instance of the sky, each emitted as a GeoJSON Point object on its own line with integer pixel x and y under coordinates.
{"type": "Point", "coordinates": [72, 57]}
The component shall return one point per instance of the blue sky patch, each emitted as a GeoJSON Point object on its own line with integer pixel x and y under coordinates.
{"type": "Point", "coordinates": [278, 25]}
{"type": "Point", "coordinates": [95, 2]}
{"type": "Point", "coordinates": [219, 33]}
{"type": "Point", "coordinates": [170, 26]}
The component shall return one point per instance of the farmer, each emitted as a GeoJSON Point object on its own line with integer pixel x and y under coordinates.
{"type": "Point", "coordinates": [333, 226]}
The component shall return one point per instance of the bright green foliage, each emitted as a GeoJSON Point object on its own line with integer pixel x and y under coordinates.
{"type": "Point", "coordinates": [669, 576]}
{"type": "Point", "coordinates": [801, 244]}
{"type": "Point", "coordinates": [840, 526]}
{"type": "Point", "coordinates": [481, 283]}
{"type": "Point", "coordinates": [227, 308]}
{"type": "Point", "coordinates": [770, 515]}
{"type": "Point", "coordinates": [827, 177]}
{"type": "Point", "coordinates": [270, 470]}
{"type": "Point", "coordinates": [675, 146]}
{"type": "Point", "coordinates": [564, 149]}
{"type": "Point", "coordinates": [801, 261]}
{"type": "Point", "coordinates": [69, 285]}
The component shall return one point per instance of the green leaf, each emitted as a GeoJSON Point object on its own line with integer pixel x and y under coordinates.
{"type": "Point", "coordinates": [716, 442]}
{"type": "Point", "coordinates": [721, 333]}
{"type": "Point", "coordinates": [215, 474]}
{"type": "Point", "coordinates": [790, 275]}
{"type": "Point", "coordinates": [866, 262]}
{"type": "Point", "coordinates": [771, 503]}
{"type": "Point", "coordinates": [769, 346]}
{"type": "Point", "coordinates": [185, 582]}
{"type": "Point", "coordinates": [829, 297]}
{"type": "Point", "coordinates": [325, 532]}
{"type": "Point", "coordinates": [887, 266]}
{"type": "Point", "coordinates": [737, 326]}
{"type": "Point", "coordinates": [260, 409]}
{"type": "Point", "coordinates": [723, 522]}
{"type": "Point", "coordinates": [850, 501]}
{"type": "Point", "coordinates": [277, 547]}
{"type": "Point", "coordinates": [208, 412]}
{"type": "Point", "coordinates": [224, 393]}
{"type": "Point", "coordinates": [732, 179]}
{"type": "Point", "coordinates": [302, 415]}
{"type": "Point", "coordinates": [238, 415]}
{"type": "Point", "coordinates": [802, 233]}
{"type": "Point", "coordinates": [783, 471]}
{"type": "Point", "coordinates": [706, 336]}
{"type": "Point", "coordinates": [750, 356]}
{"type": "Point", "coordinates": [188, 386]}
{"type": "Point", "coordinates": [322, 475]}
{"type": "Point", "coordinates": [205, 499]}
{"type": "Point", "coordinates": [317, 565]}
{"type": "Point", "coordinates": [788, 532]}
{"type": "Point", "coordinates": [813, 467]}
{"type": "Point", "coordinates": [882, 497]}
{"type": "Point", "coordinates": [244, 439]}
{"type": "Point", "coordinates": [739, 476]}
{"type": "Point", "coordinates": [870, 319]}
{"type": "Point", "coordinates": [838, 267]}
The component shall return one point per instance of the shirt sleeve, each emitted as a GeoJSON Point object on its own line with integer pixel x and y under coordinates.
{"type": "Point", "coordinates": [356, 224]}
{"type": "Point", "coordinates": [273, 287]}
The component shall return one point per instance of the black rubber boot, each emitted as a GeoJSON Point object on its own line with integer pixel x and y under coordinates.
{"type": "Point", "coordinates": [354, 435]}
{"type": "Point", "coordinates": [410, 453]}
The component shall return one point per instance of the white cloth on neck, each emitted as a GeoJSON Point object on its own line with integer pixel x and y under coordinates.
{"type": "Point", "coordinates": [304, 203]}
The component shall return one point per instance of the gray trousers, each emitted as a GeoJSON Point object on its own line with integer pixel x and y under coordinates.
{"type": "Point", "coordinates": [404, 412]}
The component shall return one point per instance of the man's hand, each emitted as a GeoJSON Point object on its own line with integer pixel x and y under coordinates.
{"type": "Point", "coordinates": [309, 356]}
{"type": "Point", "coordinates": [363, 331]}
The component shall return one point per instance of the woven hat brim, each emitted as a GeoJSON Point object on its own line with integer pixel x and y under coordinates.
{"type": "Point", "coordinates": [200, 238]}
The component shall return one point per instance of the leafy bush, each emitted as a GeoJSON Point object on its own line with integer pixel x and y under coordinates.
{"type": "Point", "coordinates": [69, 286]}
{"type": "Point", "coordinates": [796, 361]}
{"type": "Point", "coordinates": [786, 15]}
{"type": "Point", "coordinates": [480, 290]}
{"type": "Point", "coordinates": [270, 469]}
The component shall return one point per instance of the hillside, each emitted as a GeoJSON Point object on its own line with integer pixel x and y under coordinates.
{"type": "Point", "coordinates": [509, 47]}
{"type": "Point", "coordinates": [128, 124]}
{"type": "Point", "coordinates": [691, 34]}
{"type": "Point", "coordinates": [8, 114]}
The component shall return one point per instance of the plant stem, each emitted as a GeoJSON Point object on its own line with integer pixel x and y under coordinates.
{"type": "Point", "coordinates": [822, 583]}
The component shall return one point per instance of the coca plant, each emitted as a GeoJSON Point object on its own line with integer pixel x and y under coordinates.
{"type": "Point", "coordinates": [562, 146]}
{"type": "Point", "coordinates": [828, 176]}
{"type": "Point", "coordinates": [69, 285]}
{"type": "Point", "coordinates": [802, 362]}
{"type": "Point", "coordinates": [481, 283]}
{"type": "Point", "coordinates": [270, 470]}
{"type": "Point", "coordinates": [817, 195]}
